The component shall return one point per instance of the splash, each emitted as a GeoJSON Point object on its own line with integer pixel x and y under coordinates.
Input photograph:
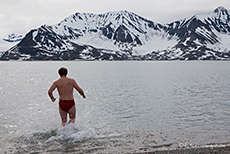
{"type": "Point", "coordinates": [72, 133]}
{"type": "Point", "coordinates": [60, 139]}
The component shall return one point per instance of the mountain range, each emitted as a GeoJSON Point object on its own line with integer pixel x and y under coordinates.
{"type": "Point", "coordinates": [125, 35]}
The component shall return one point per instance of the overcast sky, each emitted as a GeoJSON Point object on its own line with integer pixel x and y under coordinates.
{"type": "Point", "coordinates": [20, 16]}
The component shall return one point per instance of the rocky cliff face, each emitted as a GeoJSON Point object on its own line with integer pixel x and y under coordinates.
{"type": "Point", "coordinates": [124, 35]}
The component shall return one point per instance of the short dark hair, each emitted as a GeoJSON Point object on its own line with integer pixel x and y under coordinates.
{"type": "Point", "coordinates": [62, 71]}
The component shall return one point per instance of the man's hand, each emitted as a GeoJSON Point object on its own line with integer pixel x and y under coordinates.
{"type": "Point", "coordinates": [53, 99]}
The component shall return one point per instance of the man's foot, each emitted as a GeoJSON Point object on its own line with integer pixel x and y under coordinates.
{"type": "Point", "coordinates": [64, 123]}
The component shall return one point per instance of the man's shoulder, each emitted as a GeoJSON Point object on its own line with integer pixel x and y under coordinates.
{"type": "Point", "coordinates": [56, 82]}
{"type": "Point", "coordinates": [70, 78]}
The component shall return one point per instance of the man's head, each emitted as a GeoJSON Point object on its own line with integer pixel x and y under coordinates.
{"type": "Point", "coordinates": [62, 71]}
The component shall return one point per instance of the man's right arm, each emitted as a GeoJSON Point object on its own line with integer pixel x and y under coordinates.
{"type": "Point", "coordinates": [50, 92]}
{"type": "Point", "coordinates": [79, 89]}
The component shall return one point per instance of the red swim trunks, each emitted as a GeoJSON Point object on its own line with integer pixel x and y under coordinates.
{"type": "Point", "coordinates": [65, 105]}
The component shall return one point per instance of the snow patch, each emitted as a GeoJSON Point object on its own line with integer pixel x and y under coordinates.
{"type": "Point", "coordinates": [155, 44]}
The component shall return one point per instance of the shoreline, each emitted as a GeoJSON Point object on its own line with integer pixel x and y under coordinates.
{"type": "Point", "coordinates": [199, 150]}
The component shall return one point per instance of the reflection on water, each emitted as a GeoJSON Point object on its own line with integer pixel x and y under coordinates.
{"type": "Point", "coordinates": [130, 106]}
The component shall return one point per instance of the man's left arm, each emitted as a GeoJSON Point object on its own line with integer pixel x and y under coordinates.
{"type": "Point", "coordinates": [50, 92]}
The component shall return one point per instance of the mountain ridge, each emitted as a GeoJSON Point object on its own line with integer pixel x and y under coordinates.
{"type": "Point", "coordinates": [125, 35]}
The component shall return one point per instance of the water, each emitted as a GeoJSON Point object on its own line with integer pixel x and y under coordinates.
{"type": "Point", "coordinates": [130, 107]}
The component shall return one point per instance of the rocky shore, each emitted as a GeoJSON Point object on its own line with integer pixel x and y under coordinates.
{"type": "Point", "coordinates": [206, 150]}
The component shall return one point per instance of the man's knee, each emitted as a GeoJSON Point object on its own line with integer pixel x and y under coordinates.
{"type": "Point", "coordinates": [72, 116]}
{"type": "Point", "coordinates": [71, 121]}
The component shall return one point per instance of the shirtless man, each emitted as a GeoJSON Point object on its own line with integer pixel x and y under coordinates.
{"type": "Point", "coordinates": [65, 87]}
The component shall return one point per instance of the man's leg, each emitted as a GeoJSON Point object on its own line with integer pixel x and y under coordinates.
{"type": "Point", "coordinates": [72, 114]}
{"type": "Point", "coordinates": [63, 115]}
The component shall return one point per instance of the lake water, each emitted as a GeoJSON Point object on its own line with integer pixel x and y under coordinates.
{"type": "Point", "coordinates": [131, 106]}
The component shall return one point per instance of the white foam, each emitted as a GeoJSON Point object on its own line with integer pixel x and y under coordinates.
{"type": "Point", "coordinates": [73, 133]}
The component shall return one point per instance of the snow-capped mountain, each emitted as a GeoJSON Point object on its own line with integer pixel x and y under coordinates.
{"type": "Point", "coordinates": [13, 38]}
{"type": "Point", "coordinates": [8, 41]}
{"type": "Point", "coordinates": [203, 36]}
{"type": "Point", "coordinates": [124, 35]}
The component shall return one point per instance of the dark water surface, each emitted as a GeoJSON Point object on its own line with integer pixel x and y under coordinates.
{"type": "Point", "coordinates": [130, 107]}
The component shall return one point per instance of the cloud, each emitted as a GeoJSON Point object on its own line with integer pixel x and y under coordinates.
{"type": "Point", "coordinates": [20, 16]}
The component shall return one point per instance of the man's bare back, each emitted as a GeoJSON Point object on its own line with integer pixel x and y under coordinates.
{"type": "Point", "coordinates": [65, 88]}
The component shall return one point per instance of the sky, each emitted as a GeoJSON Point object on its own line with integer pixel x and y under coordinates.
{"type": "Point", "coordinates": [20, 16]}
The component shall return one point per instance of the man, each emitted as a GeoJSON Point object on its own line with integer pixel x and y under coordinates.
{"type": "Point", "coordinates": [65, 88]}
